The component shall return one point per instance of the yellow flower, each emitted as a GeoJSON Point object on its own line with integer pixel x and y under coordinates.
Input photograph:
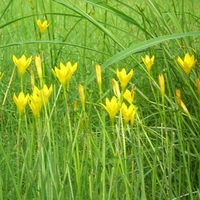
{"type": "Point", "coordinates": [65, 73]}
{"type": "Point", "coordinates": [46, 92]}
{"type": "Point", "coordinates": [112, 107]}
{"type": "Point", "coordinates": [20, 101]}
{"type": "Point", "coordinates": [187, 63]}
{"type": "Point", "coordinates": [124, 78]}
{"type": "Point", "coordinates": [116, 88]}
{"type": "Point", "coordinates": [198, 86]}
{"type": "Point", "coordinates": [129, 96]}
{"type": "Point", "coordinates": [22, 63]}
{"type": "Point", "coordinates": [81, 94]}
{"type": "Point", "coordinates": [1, 75]}
{"type": "Point", "coordinates": [98, 74]}
{"type": "Point", "coordinates": [38, 65]}
{"type": "Point", "coordinates": [128, 112]}
{"type": "Point", "coordinates": [35, 101]}
{"type": "Point", "coordinates": [148, 62]}
{"type": "Point", "coordinates": [161, 81]}
{"type": "Point", "coordinates": [42, 26]}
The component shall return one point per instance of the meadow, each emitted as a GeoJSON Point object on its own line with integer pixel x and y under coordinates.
{"type": "Point", "coordinates": [99, 100]}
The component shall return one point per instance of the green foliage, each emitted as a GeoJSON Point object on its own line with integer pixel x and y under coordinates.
{"type": "Point", "coordinates": [74, 151]}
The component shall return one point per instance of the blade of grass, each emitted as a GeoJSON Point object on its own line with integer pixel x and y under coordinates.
{"type": "Point", "coordinates": [141, 46]}
{"type": "Point", "coordinates": [6, 8]}
{"type": "Point", "coordinates": [93, 21]}
{"type": "Point", "coordinates": [116, 12]}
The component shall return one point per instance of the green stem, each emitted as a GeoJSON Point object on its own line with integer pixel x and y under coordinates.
{"type": "Point", "coordinates": [18, 149]}
{"type": "Point", "coordinates": [21, 83]}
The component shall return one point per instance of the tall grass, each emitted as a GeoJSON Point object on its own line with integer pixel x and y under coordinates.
{"type": "Point", "coordinates": [72, 150]}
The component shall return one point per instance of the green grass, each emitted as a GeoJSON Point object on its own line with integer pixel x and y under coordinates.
{"type": "Point", "coordinates": [75, 152]}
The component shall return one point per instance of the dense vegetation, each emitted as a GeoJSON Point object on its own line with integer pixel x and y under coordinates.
{"type": "Point", "coordinates": [99, 99]}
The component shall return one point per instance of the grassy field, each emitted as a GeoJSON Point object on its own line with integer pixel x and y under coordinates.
{"type": "Point", "coordinates": [86, 114]}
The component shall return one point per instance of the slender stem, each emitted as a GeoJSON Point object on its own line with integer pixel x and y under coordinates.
{"type": "Point", "coordinates": [18, 148]}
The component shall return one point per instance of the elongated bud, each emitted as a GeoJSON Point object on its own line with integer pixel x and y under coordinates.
{"type": "Point", "coordinates": [75, 105]}
{"type": "Point", "coordinates": [178, 97]}
{"type": "Point", "coordinates": [116, 88]}
{"type": "Point", "coordinates": [98, 74]}
{"type": "Point", "coordinates": [81, 94]}
{"type": "Point", "coordinates": [198, 86]}
{"type": "Point", "coordinates": [38, 65]}
{"type": "Point", "coordinates": [1, 75]}
{"type": "Point", "coordinates": [32, 77]}
{"type": "Point", "coordinates": [183, 106]}
{"type": "Point", "coordinates": [162, 84]}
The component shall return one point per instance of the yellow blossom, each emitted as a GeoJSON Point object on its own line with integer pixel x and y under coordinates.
{"type": "Point", "coordinates": [161, 81]}
{"type": "Point", "coordinates": [124, 78]}
{"type": "Point", "coordinates": [129, 96]}
{"type": "Point", "coordinates": [42, 26]}
{"type": "Point", "coordinates": [22, 63]}
{"type": "Point", "coordinates": [198, 86]}
{"type": "Point", "coordinates": [116, 88]}
{"type": "Point", "coordinates": [148, 62]}
{"type": "Point", "coordinates": [128, 112]}
{"type": "Point", "coordinates": [187, 63]}
{"type": "Point", "coordinates": [65, 72]}
{"type": "Point", "coordinates": [81, 94]}
{"type": "Point", "coordinates": [46, 92]}
{"type": "Point", "coordinates": [112, 107]}
{"type": "Point", "coordinates": [35, 101]}
{"type": "Point", "coordinates": [38, 65]}
{"type": "Point", "coordinates": [98, 74]}
{"type": "Point", "coordinates": [20, 101]}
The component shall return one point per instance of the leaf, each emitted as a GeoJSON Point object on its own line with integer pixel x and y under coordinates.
{"type": "Point", "coordinates": [116, 12]}
{"type": "Point", "coordinates": [90, 19]}
{"type": "Point", "coordinates": [139, 47]}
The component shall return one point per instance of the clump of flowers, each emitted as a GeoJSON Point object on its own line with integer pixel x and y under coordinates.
{"type": "Point", "coordinates": [39, 98]}
{"type": "Point", "coordinates": [35, 101]}
{"type": "Point", "coordinates": [116, 104]}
